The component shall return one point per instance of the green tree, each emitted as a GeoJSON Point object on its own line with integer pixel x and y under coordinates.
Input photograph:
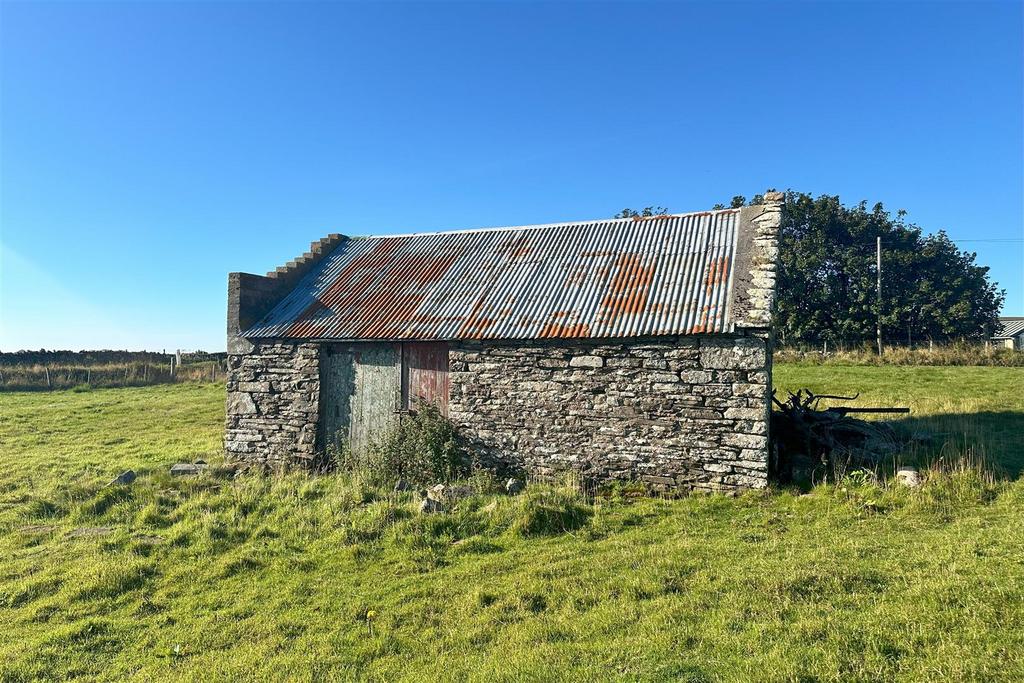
{"type": "Point", "coordinates": [645, 212]}
{"type": "Point", "coordinates": [827, 278]}
{"type": "Point", "coordinates": [827, 286]}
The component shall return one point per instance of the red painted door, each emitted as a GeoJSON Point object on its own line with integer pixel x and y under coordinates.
{"type": "Point", "coordinates": [425, 374]}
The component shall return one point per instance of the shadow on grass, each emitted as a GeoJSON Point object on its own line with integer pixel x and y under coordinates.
{"type": "Point", "coordinates": [994, 438]}
{"type": "Point", "coordinates": [992, 441]}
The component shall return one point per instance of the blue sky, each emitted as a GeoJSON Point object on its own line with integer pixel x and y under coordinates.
{"type": "Point", "coordinates": [150, 148]}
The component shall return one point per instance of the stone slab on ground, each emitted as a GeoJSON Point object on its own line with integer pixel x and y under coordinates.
{"type": "Point", "coordinates": [186, 469]}
{"type": "Point", "coordinates": [126, 477]}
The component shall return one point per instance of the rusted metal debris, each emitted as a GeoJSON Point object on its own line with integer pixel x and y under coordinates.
{"type": "Point", "coordinates": [800, 428]}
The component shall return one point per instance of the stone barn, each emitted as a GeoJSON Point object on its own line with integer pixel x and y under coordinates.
{"type": "Point", "coordinates": [630, 349]}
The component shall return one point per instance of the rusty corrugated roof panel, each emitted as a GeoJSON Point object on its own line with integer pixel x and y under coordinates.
{"type": "Point", "coordinates": [667, 275]}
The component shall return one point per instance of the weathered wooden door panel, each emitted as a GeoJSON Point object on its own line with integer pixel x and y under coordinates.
{"type": "Point", "coordinates": [363, 388]}
{"type": "Point", "coordinates": [377, 396]}
{"type": "Point", "coordinates": [425, 374]}
{"type": "Point", "coordinates": [337, 385]}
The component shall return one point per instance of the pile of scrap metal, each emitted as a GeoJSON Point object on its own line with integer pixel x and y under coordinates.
{"type": "Point", "coordinates": [804, 433]}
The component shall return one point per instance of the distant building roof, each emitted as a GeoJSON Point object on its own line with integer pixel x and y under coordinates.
{"type": "Point", "coordinates": [1009, 328]}
{"type": "Point", "coordinates": [664, 275]}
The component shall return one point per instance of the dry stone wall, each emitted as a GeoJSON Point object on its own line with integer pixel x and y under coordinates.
{"type": "Point", "coordinates": [684, 414]}
{"type": "Point", "coordinates": [689, 413]}
{"type": "Point", "coordinates": [273, 395]}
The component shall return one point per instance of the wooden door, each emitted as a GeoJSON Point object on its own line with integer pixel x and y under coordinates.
{"type": "Point", "coordinates": [425, 374]}
{"type": "Point", "coordinates": [376, 401]}
{"type": "Point", "coordinates": [337, 385]}
{"type": "Point", "coordinates": [365, 387]}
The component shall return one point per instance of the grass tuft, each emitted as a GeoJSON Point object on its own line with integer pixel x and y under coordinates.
{"type": "Point", "coordinates": [548, 512]}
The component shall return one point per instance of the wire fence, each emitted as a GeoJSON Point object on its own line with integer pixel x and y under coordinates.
{"type": "Point", "coordinates": [827, 344]}
{"type": "Point", "coordinates": [52, 376]}
{"type": "Point", "coordinates": [902, 352]}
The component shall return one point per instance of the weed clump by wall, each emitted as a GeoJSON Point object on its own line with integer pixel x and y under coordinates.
{"type": "Point", "coordinates": [424, 449]}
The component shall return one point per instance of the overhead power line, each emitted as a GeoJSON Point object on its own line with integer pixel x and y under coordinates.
{"type": "Point", "coordinates": [1000, 239]}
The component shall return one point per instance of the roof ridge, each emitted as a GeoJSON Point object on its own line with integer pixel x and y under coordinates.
{"type": "Point", "coordinates": [540, 226]}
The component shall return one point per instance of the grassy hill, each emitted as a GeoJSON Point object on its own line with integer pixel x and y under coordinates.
{"type": "Point", "coordinates": [328, 578]}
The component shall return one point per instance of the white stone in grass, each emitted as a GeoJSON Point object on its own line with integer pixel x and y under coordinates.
{"type": "Point", "coordinates": [908, 476]}
{"type": "Point", "coordinates": [442, 492]}
{"type": "Point", "coordinates": [429, 505]}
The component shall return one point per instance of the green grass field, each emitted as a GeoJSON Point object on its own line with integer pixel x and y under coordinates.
{"type": "Point", "coordinates": [274, 578]}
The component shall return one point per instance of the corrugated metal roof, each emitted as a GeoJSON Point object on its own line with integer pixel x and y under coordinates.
{"type": "Point", "coordinates": [1009, 328]}
{"type": "Point", "coordinates": [666, 275]}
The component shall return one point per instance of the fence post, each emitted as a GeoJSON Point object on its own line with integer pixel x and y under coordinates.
{"type": "Point", "coordinates": [47, 369]}
{"type": "Point", "coordinates": [172, 368]}
{"type": "Point", "coordinates": [878, 321]}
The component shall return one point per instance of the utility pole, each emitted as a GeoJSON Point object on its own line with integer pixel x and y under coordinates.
{"type": "Point", "coordinates": [878, 320]}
